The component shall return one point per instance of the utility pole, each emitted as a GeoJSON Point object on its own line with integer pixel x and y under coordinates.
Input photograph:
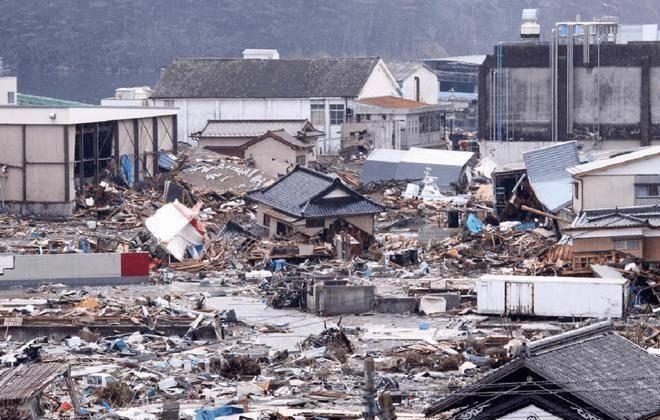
{"type": "Point", "coordinates": [370, 409]}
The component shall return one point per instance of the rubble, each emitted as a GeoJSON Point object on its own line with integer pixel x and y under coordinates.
{"type": "Point", "coordinates": [236, 321]}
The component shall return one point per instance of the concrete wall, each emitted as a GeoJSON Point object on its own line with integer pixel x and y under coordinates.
{"type": "Point", "coordinates": [72, 269]}
{"type": "Point", "coordinates": [273, 158]}
{"type": "Point", "coordinates": [338, 300]}
{"type": "Point", "coordinates": [620, 95]}
{"type": "Point", "coordinates": [428, 86]}
{"type": "Point", "coordinates": [36, 173]}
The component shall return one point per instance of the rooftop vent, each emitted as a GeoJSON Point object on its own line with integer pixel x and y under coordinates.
{"type": "Point", "coordinates": [261, 54]}
{"type": "Point", "coordinates": [530, 27]}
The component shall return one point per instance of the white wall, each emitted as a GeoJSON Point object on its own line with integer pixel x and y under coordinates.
{"type": "Point", "coordinates": [380, 83]}
{"type": "Point", "coordinates": [8, 84]}
{"type": "Point", "coordinates": [428, 86]}
{"type": "Point", "coordinates": [273, 158]}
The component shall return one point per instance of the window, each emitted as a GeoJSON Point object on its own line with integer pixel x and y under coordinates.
{"type": "Point", "coordinates": [314, 223]}
{"type": "Point", "coordinates": [624, 244]}
{"type": "Point", "coordinates": [317, 114]}
{"type": "Point", "coordinates": [336, 114]}
{"type": "Point", "coordinates": [283, 229]}
{"type": "Point", "coordinates": [417, 88]}
{"type": "Point", "coordinates": [647, 190]}
{"type": "Point", "coordinates": [301, 160]}
{"type": "Point", "coordinates": [11, 98]}
{"type": "Point", "coordinates": [267, 220]}
{"type": "Point", "coordinates": [576, 190]}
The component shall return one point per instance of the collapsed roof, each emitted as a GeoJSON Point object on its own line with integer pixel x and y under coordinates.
{"type": "Point", "coordinates": [384, 165]}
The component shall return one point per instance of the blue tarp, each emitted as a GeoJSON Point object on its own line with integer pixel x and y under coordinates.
{"type": "Point", "coordinates": [473, 224]}
{"type": "Point", "coordinates": [212, 413]}
{"type": "Point", "coordinates": [126, 169]}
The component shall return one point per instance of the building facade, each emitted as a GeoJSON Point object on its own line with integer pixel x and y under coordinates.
{"type": "Point", "coordinates": [417, 81]}
{"type": "Point", "coordinates": [322, 90]}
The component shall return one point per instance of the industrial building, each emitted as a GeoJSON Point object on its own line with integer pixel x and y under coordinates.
{"type": "Point", "coordinates": [585, 84]}
{"type": "Point", "coordinates": [50, 152]}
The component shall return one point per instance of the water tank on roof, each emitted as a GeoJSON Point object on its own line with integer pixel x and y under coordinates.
{"type": "Point", "coordinates": [530, 27]}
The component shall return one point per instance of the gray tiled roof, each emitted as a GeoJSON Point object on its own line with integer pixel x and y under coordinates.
{"type": "Point", "coordinates": [594, 364]}
{"type": "Point", "coordinates": [608, 371]}
{"type": "Point", "coordinates": [618, 217]}
{"type": "Point", "coordinates": [249, 128]}
{"type": "Point", "coordinates": [300, 194]}
{"type": "Point", "coordinates": [255, 78]}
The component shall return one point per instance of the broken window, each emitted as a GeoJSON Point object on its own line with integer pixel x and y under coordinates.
{"type": "Point", "coordinates": [301, 160]}
{"type": "Point", "coordinates": [623, 244]}
{"type": "Point", "coordinates": [315, 223]}
{"type": "Point", "coordinates": [93, 151]}
{"type": "Point", "coordinates": [317, 114]}
{"type": "Point", "coordinates": [283, 229]}
{"type": "Point", "coordinates": [647, 190]}
{"type": "Point", "coordinates": [336, 114]}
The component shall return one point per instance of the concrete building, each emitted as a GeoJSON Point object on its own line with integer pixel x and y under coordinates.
{"type": "Point", "coordinates": [395, 123]}
{"type": "Point", "coordinates": [314, 203]}
{"type": "Point", "coordinates": [49, 152]}
{"type": "Point", "coordinates": [417, 81]}
{"type": "Point", "coordinates": [626, 180]}
{"type": "Point", "coordinates": [573, 88]}
{"type": "Point", "coordinates": [322, 90]}
{"type": "Point", "coordinates": [275, 153]}
{"type": "Point", "coordinates": [229, 137]}
{"type": "Point", "coordinates": [8, 90]}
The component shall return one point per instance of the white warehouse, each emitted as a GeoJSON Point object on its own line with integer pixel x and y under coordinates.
{"type": "Point", "coordinates": [321, 90]}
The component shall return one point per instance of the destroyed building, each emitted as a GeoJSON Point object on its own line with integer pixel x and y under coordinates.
{"type": "Point", "coordinates": [588, 373]}
{"type": "Point", "coordinates": [450, 168]}
{"type": "Point", "coordinates": [49, 153]}
{"type": "Point", "coordinates": [310, 202]}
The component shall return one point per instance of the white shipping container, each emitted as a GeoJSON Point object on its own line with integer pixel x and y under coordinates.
{"type": "Point", "coordinates": [552, 296]}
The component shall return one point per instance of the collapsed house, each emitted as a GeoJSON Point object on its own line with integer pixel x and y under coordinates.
{"type": "Point", "coordinates": [450, 168]}
{"type": "Point", "coordinates": [311, 202]}
{"type": "Point", "coordinates": [48, 153]}
{"type": "Point", "coordinates": [588, 373]}
{"type": "Point", "coordinates": [22, 387]}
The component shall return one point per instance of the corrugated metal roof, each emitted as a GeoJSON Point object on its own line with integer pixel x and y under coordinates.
{"type": "Point", "coordinates": [546, 169]}
{"type": "Point", "coordinates": [21, 382]}
{"type": "Point", "coordinates": [250, 128]}
{"type": "Point", "coordinates": [400, 165]}
{"type": "Point", "coordinates": [597, 165]}
{"type": "Point", "coordinates": [402, 69]}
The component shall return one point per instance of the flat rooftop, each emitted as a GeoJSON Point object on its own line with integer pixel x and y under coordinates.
{"type": "Point", "coordinates": [78, 114]}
